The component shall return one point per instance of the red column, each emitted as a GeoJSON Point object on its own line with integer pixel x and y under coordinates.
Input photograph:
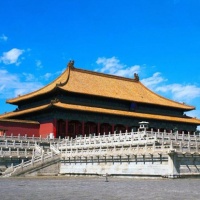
{"type": "Point", "coordinates": [98, 128]}
{"type": "Point", "coordinates": [55, 127]}
{"type": "Point", "coordinates": [83, 128]}
{"type": "Point", "coordinates": [66, 128]}
{"type": "Point", "coordinates": [113, 128]}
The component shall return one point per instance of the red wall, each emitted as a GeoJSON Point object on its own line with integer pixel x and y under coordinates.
{"type": "Point", "coordinates": [16, 128]}
{"type": "Point", "coordinates": [46, 128]}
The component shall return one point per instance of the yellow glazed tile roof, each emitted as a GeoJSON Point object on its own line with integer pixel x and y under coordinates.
{"type": "Point", "coordinates": [19, 121]}
{"type": "Point", "coordinates": [22, 112]}
{"type": "Point", "coordinates": [102, 110]}
{"type": "Point", "coordinates": [98, 84]}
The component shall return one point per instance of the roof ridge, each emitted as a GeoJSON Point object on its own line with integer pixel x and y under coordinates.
{"type": "Point", "coordinates": [105, 75]}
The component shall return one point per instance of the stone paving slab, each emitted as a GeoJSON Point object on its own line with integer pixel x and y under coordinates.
{"type": "Point", "coordinates": [96, 188]}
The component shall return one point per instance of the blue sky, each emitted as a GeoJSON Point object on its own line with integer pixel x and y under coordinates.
{"type": "Point", "coordinates": [158, 39]}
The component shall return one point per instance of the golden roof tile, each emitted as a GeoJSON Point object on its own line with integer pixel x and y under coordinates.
{"type": "Point", "coordinates": [103, 85]}
{"type": "Point", "coordinates": [22, 112]}
{"type": "Point", "coordinates": [19, 121]}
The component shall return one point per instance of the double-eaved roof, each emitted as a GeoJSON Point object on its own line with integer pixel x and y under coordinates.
{"type": "Point", "coordinates": [103, 85]}
{"type": "Point", "coordinates": [97, 84]}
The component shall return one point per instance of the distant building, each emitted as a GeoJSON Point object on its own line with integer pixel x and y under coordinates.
{"type": "Point", "coordinates": [83, 102]}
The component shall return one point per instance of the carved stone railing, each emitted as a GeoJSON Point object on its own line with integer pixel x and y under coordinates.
{"type": "Point", "coordinates": [17, 152]}
{"type": "Point", "coordinates": [26, 138]}
{"type": "Point", "coordinates": [129, 144]}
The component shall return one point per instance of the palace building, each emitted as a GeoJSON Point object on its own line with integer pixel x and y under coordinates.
{"type": "Point", "coordinates": [81, 102]}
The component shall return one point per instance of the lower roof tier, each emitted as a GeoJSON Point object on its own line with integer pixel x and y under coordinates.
{"type": "Point", "coordinates": [18, 113]}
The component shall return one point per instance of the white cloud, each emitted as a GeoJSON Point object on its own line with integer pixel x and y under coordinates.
{"type": "Point", "coordinates": [181, 92]}
{"type": "Point", "coordinates": [3, 37]}
{"type": "Point", "coordinates": [12, 56]}
{"type": "Point", "coordinates": [113, 66]}
{"type": "Point", "coordinates": [153, 81]}
{"type": "Point", "coordinates": [47, 76]}
{"type": "Point", "coordinates": [39, 64]}
{"type": "Point", "coordinates": [29, 77]}
{"type": "Point", "coordinates": [176, 91]}
{"type": "Point", "coordinates": [12, 86]}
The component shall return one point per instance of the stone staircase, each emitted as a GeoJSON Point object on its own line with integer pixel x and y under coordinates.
{"type": "Point", "coordinates": [39, 160]}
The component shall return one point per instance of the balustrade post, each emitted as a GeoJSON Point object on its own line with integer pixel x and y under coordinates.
{"type": "Point", "coordinates": [155, 135]}
{"type": "Point", "coordinates": [4, 135]}
{"type": "Point", "coordinates": [42, 157]}
{"type": "Point", "coordinates": [189, 146]}
{"type": "Point", "coordinates": [171, 145]}
{"type": "Point", "coordinates": [183, 135]}
{"type": "Point", "coordinates": [145, 147]}
{"type": "Point", "coordinates": [9, 151]}
{"type": "Point", "coordinates": [22, 163]}
{"type": "Point", "coordinates": [196, 144]}
{"type": "Point", "coordinates": [147, 134]}
{"type": "Point", "coordinates": [154, 146]}
{"type": "Point", "coordinates": [32, 161]}
{"type": "Point", "coordinates": [12, 166]}
{"type": "Point", "coordinates": [33, 153]}
{"type": "Point", "coordinates": [25, 152]}
{"type": "Point", "coordinates": [18, 152]}
{"type": "Point", "coordinates": [180, 147]}
{"type": "Point", "coordinates": [19, 136]}
{"type": "Point", "coordinates": [189, 136]}
{"type": "Point", "coordinates": [175, 137]}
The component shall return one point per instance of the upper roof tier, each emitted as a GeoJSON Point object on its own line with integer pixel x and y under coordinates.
{"type": "Point", "coordinates": [103, 85]}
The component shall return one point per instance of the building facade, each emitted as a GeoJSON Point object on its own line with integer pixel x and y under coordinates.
{"type": "Point", "coordinates": [81, 102]}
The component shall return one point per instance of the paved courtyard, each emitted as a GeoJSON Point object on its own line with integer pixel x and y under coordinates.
{"type": "Point", "coordinates": [96, 188]}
